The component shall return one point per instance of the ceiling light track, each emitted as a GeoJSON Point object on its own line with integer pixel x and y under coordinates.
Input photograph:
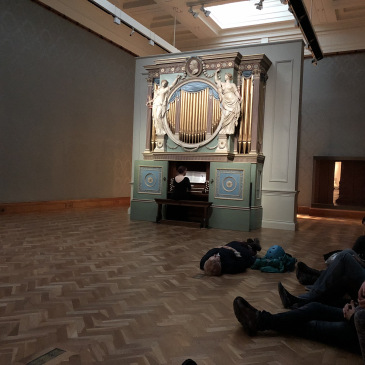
{"type": "Point", "coordinates": [203, 2]}
{"type": "Point", "coordinates": [120, 17]}
{"type": "Point", "coordinates": [298, 9]}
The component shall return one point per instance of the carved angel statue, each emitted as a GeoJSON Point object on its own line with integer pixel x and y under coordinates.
{"type": "Point", "coordinates": [159, 105]}
{"type": "Point", "coordinates": [230, 103]}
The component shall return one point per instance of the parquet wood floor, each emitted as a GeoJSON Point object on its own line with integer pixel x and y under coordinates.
{"type": "Point", "coordinates": [110, 291]}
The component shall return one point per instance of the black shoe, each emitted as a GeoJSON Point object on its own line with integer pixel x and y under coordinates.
{"type": "Point", "coordinates": [308, 270]}
{"type": "Point", "coordinates": [306, 275]}
{"type": "Point", "coordinates": [288, 300]}
{"type": "Point", "coordinates": [246, 315]}
{"type": "Point", "coordinates": [255, 244]}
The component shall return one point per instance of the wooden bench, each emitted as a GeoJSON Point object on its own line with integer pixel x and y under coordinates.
{"type": "Point", "coordinates": [185, 203]}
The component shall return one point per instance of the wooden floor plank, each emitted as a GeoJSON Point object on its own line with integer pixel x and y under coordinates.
{"type": "Point", "coordinates": [108, 290]}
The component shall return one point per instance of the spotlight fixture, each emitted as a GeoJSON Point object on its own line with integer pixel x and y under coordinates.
{"type": "Point", "coordinates": [132, 32]}
{"type": "Point", "coordinates": [205, 11]}
{"type": "Point", "coordinates": [191, 11]}
{"type": "Point", "coordinates": [151, 42]}
{"type": "Point", "coordinates": [259, 5]}
{"type": "Point", "coordinates": [116, 20]}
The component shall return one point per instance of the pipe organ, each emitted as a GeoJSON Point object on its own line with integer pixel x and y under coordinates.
{"type": "Point", "coordinates": [193, 115]}
{"type": "Point", "coordinates": [193, 98]}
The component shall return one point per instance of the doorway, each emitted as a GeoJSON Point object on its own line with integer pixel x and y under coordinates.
{"type": "Point", "coordinates": [338, 183]}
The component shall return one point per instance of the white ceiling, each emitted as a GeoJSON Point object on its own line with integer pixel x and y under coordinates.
{"type": "Point", "coordinates": [339, 24]}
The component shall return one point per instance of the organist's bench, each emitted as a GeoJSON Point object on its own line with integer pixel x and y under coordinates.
{"type": "Point", "coordinates": [185, 203]}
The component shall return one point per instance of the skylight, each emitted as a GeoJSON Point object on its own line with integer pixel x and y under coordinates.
{"type": "Point", "coordinates": [244, 13]}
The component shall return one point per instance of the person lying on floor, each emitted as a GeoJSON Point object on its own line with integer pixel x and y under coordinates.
{"type": "Point", "coordinates": [344, 276]}
{"type": "Point", "coordinates": [233, 258]}
{"type": "Point", "coordinates": [314, 321]}
{"type": "Point", "coordinates": [307, 275]}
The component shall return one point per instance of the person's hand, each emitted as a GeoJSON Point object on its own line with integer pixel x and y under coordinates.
{"type": "Point", "coordinates": [149, 101]}
{"type": "Point", "coordinates": [361, 295]}
{"type": "Point", "coordinates": [349, 310]}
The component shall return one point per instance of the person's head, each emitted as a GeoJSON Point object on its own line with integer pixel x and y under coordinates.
{"type": "Point", "coordinates": [228, 76]}
{"type": "Point", "coordinates": [164, 83]}
{"type": "Point", "coordinates": [359, 247]}
{"type": "Point", "coordinates": [193, 65]}
{"type": "Point", "coordinates": [182, 170]}
{"type": "Point", "coordinates": [212, 266]}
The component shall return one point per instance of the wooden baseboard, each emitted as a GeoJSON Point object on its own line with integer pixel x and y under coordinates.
{"type": "Point", "coordinates": [25, 207]}
{"type": "Point", "coordinates": [332, 213]}
{"type": "Point", "coordinates": [303, 210]}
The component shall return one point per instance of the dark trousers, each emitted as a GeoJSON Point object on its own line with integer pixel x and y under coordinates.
{"type": "Point", "coordinates": [314, 321]}
{"type": "Point", "coordinates": [343, 276]}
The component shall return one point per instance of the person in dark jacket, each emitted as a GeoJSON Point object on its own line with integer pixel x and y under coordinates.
{"type": "Point", "coordinates": [182, 185]}
{"type": "Point", "coordinates": [232, 258]}
{"type": "Point", "coordinates": [181, 191]}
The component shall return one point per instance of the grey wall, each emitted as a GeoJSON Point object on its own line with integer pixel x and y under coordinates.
{"type": "Point", "coordinates": [66, 109]}
{"type": "Point", "coordinates": [333, 122]}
